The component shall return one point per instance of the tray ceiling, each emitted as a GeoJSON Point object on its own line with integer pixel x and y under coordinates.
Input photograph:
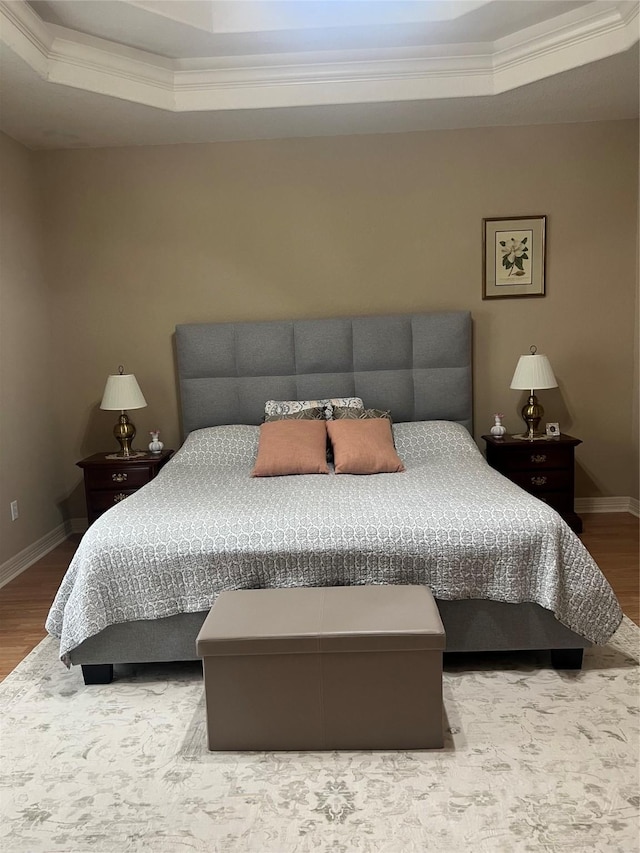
{"type": "Point", "coordinates": [110, 72]}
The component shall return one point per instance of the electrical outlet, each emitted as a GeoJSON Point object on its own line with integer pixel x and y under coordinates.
{"type": "Point", "coordinates": [14, 510]}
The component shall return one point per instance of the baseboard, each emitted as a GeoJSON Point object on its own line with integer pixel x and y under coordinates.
{"type": "Point", "coordinates": [79, 525]}
{"type": "Point", "coordinates": [619, 504]}
{"type": "Point", "coordinates": [30, 555]}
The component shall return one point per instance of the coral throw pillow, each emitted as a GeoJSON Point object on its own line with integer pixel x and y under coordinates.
{"type": "Point", "coordinates": [363, 447]}
{"type": "Point", "coordinates": [291, 447]}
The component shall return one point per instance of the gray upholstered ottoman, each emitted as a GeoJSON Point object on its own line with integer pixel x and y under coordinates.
{"type": "Point", "coordinates": [352, 667]}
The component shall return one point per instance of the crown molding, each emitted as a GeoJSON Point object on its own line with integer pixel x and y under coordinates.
{"type": "Point", "coordinates": [567, 41]}
{"type": "Point", "coordinates": [70, 58]}
{"type": "Point", "coordinates": [26, 34]}
{"type": "Point", "coordinates": [138, 78]}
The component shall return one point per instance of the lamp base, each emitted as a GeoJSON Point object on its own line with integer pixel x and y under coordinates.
{"type": "Point", "coordinates": [532, 413]}
{"type": "Point", "coordinates": [125, 432]}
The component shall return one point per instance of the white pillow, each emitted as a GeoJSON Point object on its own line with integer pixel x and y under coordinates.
{"type": "Point", "coordinates": [233, 446]}
{"type": "Point", "coordinates": [289, 407]}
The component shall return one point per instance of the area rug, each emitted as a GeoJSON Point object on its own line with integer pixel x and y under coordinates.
{"type": "Point", "coordinates": [534, 760]}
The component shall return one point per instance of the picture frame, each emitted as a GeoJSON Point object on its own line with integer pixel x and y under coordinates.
{"type": "Point", "coordinates": [552, 429]}
{"type": "Point", "coordinates": [513, 256]}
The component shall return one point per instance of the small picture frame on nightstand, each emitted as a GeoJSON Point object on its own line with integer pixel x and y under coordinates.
{"type": "Point", "coordinates": [552, 430]}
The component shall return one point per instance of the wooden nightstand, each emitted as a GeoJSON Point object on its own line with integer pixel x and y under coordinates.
{"type": "Point", "coordinates": [544, 468]}
{"type": "Point", "coordinates": [109, 481]}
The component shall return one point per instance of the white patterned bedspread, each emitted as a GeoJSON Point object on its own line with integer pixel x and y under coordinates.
{"type": "Point", "coordinates": [203, 525]}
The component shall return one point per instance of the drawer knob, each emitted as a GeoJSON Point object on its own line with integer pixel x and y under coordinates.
{"type": "Point", "coordinates": [119, 497]}
{"type": "Point", "coordinates": [536, 457]}
{"type": "Point", "coordinates": [538, 481]}
{"type": "Point", "coordinates": [119, 477]}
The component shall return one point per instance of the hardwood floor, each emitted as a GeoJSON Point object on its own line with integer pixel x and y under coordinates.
{"type": "Point", "coordinates": [25, 602]}
{"type": "Point", "coordinates": [612, 539]}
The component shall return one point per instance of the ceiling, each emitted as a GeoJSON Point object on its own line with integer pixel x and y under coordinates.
{"type": "Point", "coordinates": [93, 73]}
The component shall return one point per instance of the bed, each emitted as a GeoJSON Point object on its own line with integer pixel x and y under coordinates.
{"type": "Point", "coordinates": [506, 571]}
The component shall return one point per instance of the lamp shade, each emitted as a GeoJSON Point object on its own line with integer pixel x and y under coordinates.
{"type": "Point", "coordinates": [122, 392]}
{"type": "Point", "coordinates": [533, 372]}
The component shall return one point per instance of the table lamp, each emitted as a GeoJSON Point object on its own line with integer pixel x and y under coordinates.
{"type": "Point", "coordinates": [122, 392]}
{"type": "Point", "coordinates": [533, 371]}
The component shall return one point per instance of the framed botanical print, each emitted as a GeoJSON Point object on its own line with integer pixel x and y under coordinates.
{"type": "Point", "coordinates": [513, 256]}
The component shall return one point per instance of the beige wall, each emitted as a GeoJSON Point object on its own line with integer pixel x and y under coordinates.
{"type": "Point", "coordinates": [140, 239]}
{"type": "Point", "coordinates": [29, 448]}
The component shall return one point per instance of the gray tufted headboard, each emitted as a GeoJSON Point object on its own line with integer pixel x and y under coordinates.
{"type": "Point", "coordinates": [416, 365]}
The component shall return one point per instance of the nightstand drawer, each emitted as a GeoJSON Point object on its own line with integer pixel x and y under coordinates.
{"type": "Point", "coordinates": [543, 468]}
{"type": "Point", "coordinates": [101, 501]}
{"type": "Point", "coordinates": [126, 476]}
{"type": "Point", "coordinates": [109, 481]}
{"type": "Point", "coordinates": [562, 502]}
{"type": "Point", "coordinates": [534, 458]}
{"type": "Point", "coordinates": [543, 480]}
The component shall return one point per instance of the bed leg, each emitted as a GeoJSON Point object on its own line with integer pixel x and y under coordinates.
{"type": "Point", "coordinates": [97, 673]}
{"type": "Point", "coordinates": [566, 658]}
